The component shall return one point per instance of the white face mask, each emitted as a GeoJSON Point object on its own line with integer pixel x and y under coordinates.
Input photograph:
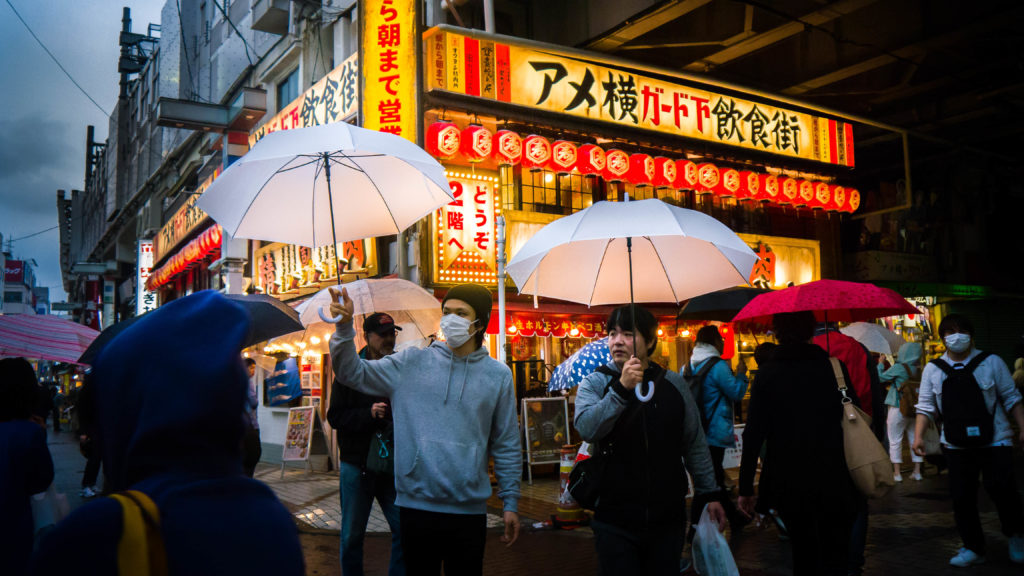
{"type": "Point", "coordinates": [958, 343]}
{"type": "Point", "coordinates": [456, 329]}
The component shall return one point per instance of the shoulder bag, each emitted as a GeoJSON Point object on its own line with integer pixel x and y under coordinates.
{"type": "Point", "coordinates": [868, 462]}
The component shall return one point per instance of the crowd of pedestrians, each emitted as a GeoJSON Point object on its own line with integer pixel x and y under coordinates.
{"type": "Point", "coordinates": [418, 428]}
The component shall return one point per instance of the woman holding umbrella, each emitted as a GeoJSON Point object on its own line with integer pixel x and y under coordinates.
{"type": "Point", "coordinates": [640, 516]}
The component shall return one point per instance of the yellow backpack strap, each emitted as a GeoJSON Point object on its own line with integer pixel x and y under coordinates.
{"type": "Point", "coordinates": [140, 551]}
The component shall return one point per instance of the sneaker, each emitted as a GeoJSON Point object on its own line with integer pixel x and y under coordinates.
{"type": "Point", "coordinates": [87, 492]}
{"type": "Point", "coordinates": [897, 477]}
{"type": "Point", "coordinates": [966, 558]}
{"type": "Point", "coordinates": [917, 476]}
{"type": "Point", "coordinates": [1017, 549]}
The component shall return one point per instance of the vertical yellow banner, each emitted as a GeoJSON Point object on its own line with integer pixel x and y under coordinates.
{"type": "Point", "coordinates": [388, 61]}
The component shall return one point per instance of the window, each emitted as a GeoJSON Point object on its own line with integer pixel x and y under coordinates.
{"type": "Point", "coordinates": [288, 89]}
{"type": "Point", "coordinates": [550, 193]}
{"type": "Point", "coordinates": [13, 297]}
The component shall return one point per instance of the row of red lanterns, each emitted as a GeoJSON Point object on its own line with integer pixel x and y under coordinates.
{"type": "Point", "coordinates": [200, 247]}
{"type": "Point", "coordinates": [476, 143]}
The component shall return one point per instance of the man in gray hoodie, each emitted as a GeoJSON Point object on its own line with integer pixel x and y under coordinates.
{"type": "Point", "coordinates": [453, 406]}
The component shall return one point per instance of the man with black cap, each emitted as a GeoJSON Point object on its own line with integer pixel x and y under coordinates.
{"type": "Point", "coordinates": [358, 418]}
{"type": "Point", "coordinates": [453, 406]}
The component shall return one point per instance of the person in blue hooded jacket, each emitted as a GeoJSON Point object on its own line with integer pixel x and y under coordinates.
{"type": "Point", "coordinates": [720, 390]}
{"type": "Point", "coordinates": [170, 404]}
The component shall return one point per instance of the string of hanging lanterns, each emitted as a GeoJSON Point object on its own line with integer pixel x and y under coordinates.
{"type": "Point", "coordinates": [202, 246]}
{"type": "Point", "coordinates": [475, 143]}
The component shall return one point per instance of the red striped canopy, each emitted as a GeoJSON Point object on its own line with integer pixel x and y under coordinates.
{"type": "Point", "coordinates": [43, 337]}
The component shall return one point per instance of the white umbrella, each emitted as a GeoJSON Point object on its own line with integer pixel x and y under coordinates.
{"type": "Point", "coordinates": [875, 337]}
{"type": "Point", "coordinates": [590, 256]}
{"type": "Point", "coordinates": [413, 308]}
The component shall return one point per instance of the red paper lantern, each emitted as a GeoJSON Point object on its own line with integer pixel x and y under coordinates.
{"type": "Point", "coordinates": [477, 143]}
{"type": "Point", "coordinates": [790, 188]}
{"type": "Point", "coordinates": [750, 185]}
{"type": "Point", "coordinates": [728, 183]}
{"type": "Point", "coordinates": [770, 188]}
{"type": "Point", "coordinates": [822, 196]}
{"type": "Point", "coordinates": [708, 177]}
{"type": "Point", "coordinates": [805, 193]}
{"type": "Point", "coordinates": [686, 175]}
{"type": "Point", "coordinates": [217, 234]}
{"type": "Point", "coordinates": [590, 159]}
{"type": "Point", "coordinates": [442, 140]}
{"type": "Point", "coordinates": [641, 169]}
{"type": "Point", "coordinates": [838, 199]}
{"type": "Point", "coordinates": [536, 152]}
{"type": "Point", "coordinates": [665, 173]}
{"type": "Point", "coordinates": [852, 200]}
{"type": "Point", "coordinates": [508, 147]}
{"type": "Point", "coordinates": [563, 156]}
{"type": "Point", "coordinates": [616, 166]}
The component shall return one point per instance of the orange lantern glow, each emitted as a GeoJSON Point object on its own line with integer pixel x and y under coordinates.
{"type": "Point", "coordinates": [822, 196]}
{"type": "Point", "coordinates": [563, 157]}
{"type": "Point", "coordinates": [805, 193]}
{"type": "Point", "coordinates": [770, 188]}
{"type": "Point", "coordinates": [665, 173]}
{"type": "Point", "coordinates": [508, 147]}
{"type": "Point", "coordinates": [641, 169]}
{"type": "Point", "coordinates": [750, 185]}
{"type": "Point", "coordinates": [590, 159]}
{"type": "Point", "coordinates": [536, 152]}
{"type": "Point", "coordinates": [708, 177]}
{"type": "Point", "coordinates": [790, 188]}
{"type": "Point", "coordinates": [442, 140]}
{"type": "Point", "coordinates": [728, 183]}
{"type": "Point", "coordinates": [476, 143]}
{"type": "Point", "coordinates": [852, 200]}
{"type": "Point", "coordinates": [838, 199]}
{"type": "Point", "coordinates": [616, 166]}
{"type": "Point", "coordinates": [686, 175]}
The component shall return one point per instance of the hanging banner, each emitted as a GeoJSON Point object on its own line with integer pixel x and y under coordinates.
{"type": "Point", "coordinates": [145, 300]}
{"type": "Point", "coordinates": [466, 231]}
{"type": "Point", "coordinates": [334, 98]}
{"type": "Point", "coordinates": [388, 66]}
{"type": "Point", "coordinates": [585, 85]}
{"type": "Point", "coordinates": [286, 270]}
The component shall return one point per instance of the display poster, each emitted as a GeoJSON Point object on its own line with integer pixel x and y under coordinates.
{"type": "Point", "coordinates": [287, 271]}
{"type": "Point", "coordinates": [733, 455]}
{"type": "Point", "coordinates": [284, 385]}
{"type": "Point", "coordinates": [546, 427]}
{"type": "Point", "coordinates": [299, 433]}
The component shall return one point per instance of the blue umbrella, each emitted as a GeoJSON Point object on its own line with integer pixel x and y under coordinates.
{"type": "Point", "coordinates": [578, 366]}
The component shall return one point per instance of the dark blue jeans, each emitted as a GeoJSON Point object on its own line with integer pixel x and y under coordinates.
{"type": "Point", "coordinates": [358, 490]}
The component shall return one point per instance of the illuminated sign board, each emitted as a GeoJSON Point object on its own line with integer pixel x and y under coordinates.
{"type": "Point", "coordinates": [465, 232]}
{"type": "Point", "coordinates": [580, 85]}
{"type": "Point", "coordinates": [335, 98]}
{"type": "Point", "coordinates": [184, 221]}
{"type": "Point", "coordinates": [389, 44]}
{"type": "Point", "coordinates": [783, 260]}
{"type": "Point", "coordinates": [286, 271]}
{"type": "Point", "coordinates": [145, 300]}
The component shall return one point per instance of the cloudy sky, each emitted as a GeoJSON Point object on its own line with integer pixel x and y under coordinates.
{"type": "Point", "coordinates": [42, 131]}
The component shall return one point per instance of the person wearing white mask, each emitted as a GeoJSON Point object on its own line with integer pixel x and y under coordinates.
{"type": "Point", "coordinates": [973, 394]}
{"type": "Point", "coordinates": [453, 407]}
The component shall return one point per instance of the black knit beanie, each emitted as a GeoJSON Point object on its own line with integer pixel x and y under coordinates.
{"type": "Point", "coordinates": [478, 298]}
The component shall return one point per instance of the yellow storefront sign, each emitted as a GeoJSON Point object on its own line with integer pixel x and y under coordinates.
{"type": "Point", "coordinates": [389, 43]}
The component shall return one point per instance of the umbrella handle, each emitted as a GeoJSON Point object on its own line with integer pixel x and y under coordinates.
{"type": "Point", "coordinates": [327, 318]}
{"type": "Point", "coordinates": [644, 397]}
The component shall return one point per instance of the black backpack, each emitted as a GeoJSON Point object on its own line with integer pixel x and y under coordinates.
{"type": "Point", "coordinates": [696, 384]}
{"type": "Point", "coordinates": [965, 417]}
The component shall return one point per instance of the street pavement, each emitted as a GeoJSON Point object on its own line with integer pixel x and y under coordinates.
{"type": "Point", "coordinates": [911, 531]}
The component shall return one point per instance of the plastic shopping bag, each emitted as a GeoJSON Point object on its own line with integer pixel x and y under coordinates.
{"type": "Point", "coordinates": [711, 554]}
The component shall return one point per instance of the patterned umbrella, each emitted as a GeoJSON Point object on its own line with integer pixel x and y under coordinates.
{"type": "Point", "coordinates": [43, 337]}
{"type": "Point", "coordinates": [578, 366]}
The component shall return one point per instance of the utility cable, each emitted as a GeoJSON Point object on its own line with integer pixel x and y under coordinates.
{"type": "Point", "coordinates": [245, 44]}
{"type": "Point", "coordinates": [57, 62]}
{"type": "Point", "coordinates": [34, 234]}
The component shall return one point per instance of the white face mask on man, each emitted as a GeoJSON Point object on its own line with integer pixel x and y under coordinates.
{"type": "Point", "coordinates": [958, 343]}
{"type": "Point", "coordinates": [456, 329]}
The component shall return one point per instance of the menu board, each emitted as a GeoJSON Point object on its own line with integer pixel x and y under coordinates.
{"type": "Point", "coordinates": [299, 433]}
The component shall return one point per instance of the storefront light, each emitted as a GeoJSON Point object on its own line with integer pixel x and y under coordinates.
{"type": "Point", "coordinates": [302, 345]}
{"type": "Point", "coordinates": [314, 340]}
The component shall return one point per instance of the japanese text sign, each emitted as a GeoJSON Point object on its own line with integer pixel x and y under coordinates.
{"type": "Point", "coordinates": [145, 300]}
{"type": "Point", "coordinates": [287, 271]}
{"type": "Point", "coordinates": [184, 221]}
{"type": "Point", "coordinates": [582, 86]}
{"type": "Point", "coordinates": [466, 232]}
{"type": "Point", "coordinates": [335, 98]}
{"type": "Point", "coordinates": [388, 47]}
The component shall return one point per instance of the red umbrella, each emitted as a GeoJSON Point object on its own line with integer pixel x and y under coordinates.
{"type": "Point", "coordinates": [830, 300]}
{"type": "Point", "coordinates": [43, 337]}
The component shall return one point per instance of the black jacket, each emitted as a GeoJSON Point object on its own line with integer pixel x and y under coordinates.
{"type": "Point", "coordinates": [349, 414]}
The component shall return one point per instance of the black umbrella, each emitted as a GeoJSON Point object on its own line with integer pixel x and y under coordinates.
{"type": "Point", "coordinates": [270, 318]}
{"type": "Point", "coordinates": [720, 306]}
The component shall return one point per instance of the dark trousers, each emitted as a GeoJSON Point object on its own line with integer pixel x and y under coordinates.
{"type": "Point", "coordinates": [655, 552]}
{"type": "Point", "coordinates": [431, 540]}
{"type": "Point", "coordinates": [996, 468]}
{"type": "Point", "coordinates": [251, 450]}
{"type": "Point", "coordinates": [819, 535]}
{"type": "Point", "coordinates": [92, 468]}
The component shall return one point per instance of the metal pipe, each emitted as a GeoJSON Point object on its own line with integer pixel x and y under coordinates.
{"type": "Point", "coordinates": [489, 16]}
{"type": "Point", "coordinates": [501, 289]}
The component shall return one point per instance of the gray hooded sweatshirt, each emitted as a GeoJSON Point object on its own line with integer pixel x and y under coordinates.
{"type": "Point", "coordinates": [449, 414]}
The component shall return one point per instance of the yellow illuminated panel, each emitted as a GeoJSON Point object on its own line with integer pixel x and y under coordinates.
{"type": "Point", "coordinates": [389, 66]}
{"type": "Point", "coordinates": [465, 245]}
